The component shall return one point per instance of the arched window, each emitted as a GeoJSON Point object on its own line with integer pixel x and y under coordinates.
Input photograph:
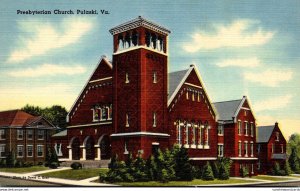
{"type": "Point", "coordinates": [127, 120]}
{"type": "Point", "coordinates": [148, 39]}
{"type": "Point", "coordinates": [154, 119]}
{"type": "Point", "coordinates": [120, 42]}
{"type": "Point", "coordinates": [135, 38]}
{"type": "Point", "coordinates": [206, 133]}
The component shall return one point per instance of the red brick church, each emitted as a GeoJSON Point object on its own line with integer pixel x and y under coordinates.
{"type": "Point", "coordinates": [133, 105]}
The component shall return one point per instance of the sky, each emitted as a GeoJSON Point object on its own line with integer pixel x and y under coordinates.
{"type": "Point", "coordinates": [240, 48]}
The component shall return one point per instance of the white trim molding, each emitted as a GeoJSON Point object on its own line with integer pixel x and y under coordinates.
{"type": "Point", "coordinates": [90, 124]}
{"type": "Point", "coordinates": [203, 158]}
{"type": "Point", "coordinates": [139, 47]}
{"type": "Point", "coordinates": [243, 158]}
{"type": "Point", "coordinates": [102, 79]}
{"type": "Point", "coordinates": [139, 134]}
{"type": "Point", "coordinates": [193, 85]}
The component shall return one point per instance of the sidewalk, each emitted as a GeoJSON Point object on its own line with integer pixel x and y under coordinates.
{"type": "Point", "coordinates": [39, 178]}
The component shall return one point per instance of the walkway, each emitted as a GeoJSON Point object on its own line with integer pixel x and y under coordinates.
{"type": "Point", "coordinates": [36, 176]}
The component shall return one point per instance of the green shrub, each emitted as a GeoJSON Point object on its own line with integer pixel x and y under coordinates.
{"type": "Point", "coordinates": [244, 172]}
{"type": "Point", "coordinates": [215, 168]}
{"type": "Point", "coordinates": [51, 157]}
{"type": "Point", "coordinates": [102, 176]}
{"type": "Point", "coordinates": [53, 165]}
{"type": "Point", "coordinates": [19, 164]}
{"type": "Point", "coordinates": [10, 159]}
{"type": "Point", "coordinates": [76, 165]}
{"type": "Point", "coordinates": [183, 168]}
{"type": "Point", "coordinates": [207, 172]}
{"type": "Point", "coordinates": [286, 168]}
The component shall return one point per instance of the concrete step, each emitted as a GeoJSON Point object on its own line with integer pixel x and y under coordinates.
{"type": "Point", "coordinates": [87, 163]}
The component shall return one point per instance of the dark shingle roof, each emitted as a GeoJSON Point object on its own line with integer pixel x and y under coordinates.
{"type": "Point", "coordinates": [15, 118]}
{"type": "Point", "coordinates": [61, 134]}
{"type": "Point", "coordinates": [174, 80]}
{"type": "Point", "coordinates": [227, 109]}
{"type": "Point", "coordinates": [263, 133]}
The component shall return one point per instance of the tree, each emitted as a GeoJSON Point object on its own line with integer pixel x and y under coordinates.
{"type": "Point", "coordinates": [10, 159]}
{"type": "Point", "coordinates": [55, 114]}
{"type": "Point", "coordinates": [207, 172]}
{"type": "Point", "coordinates": [151, 168]}
{"type": "Point", "coordinates": [286, 168]}
{"type": "Point", "coordinates": [294, 161]}
{"type": "Point", "coordinates": [140, 169]}
{"type": "Point", "coordinates": [224, 165]}
{"type": "Point", "coordinates": [51, 160]}
{"type": "Point", "coordinates": [183, 168]}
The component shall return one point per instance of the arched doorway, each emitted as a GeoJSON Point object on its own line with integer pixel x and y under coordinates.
{"type": "Point", "coordinates": [75, 145]}
{"type": "Point", "coordinates": [90, 150]}
{"type": "Point", "coordinates": [105, 147]}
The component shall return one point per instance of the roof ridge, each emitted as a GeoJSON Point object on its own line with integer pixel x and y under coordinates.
{"type": "Point", "coordinates": [227, 101]}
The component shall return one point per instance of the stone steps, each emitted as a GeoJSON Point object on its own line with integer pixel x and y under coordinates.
{"type": "Point", "coordinates": [87, 163]}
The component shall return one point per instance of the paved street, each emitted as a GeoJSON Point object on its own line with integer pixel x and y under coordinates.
{"type": "Point", "coordinates": [280, 184]}
{"type": "Point", "coordinates": [18, 182]}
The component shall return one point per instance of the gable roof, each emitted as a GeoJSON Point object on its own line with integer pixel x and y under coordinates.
{"type": "Point", "coordinates": [264, 133]}
{"type": "Point", "coordinates": [178, 79]}
{"type": "Point", "coordinates": [16, 118]}
{"type": "Point", "coordinates": [61, 134]}
{"type": "Point", "coordinates": [108, 63]}
{"type": "Point", "coordinates": [174, 79]}
{"type": "Point", "coordinates": [227, 109]}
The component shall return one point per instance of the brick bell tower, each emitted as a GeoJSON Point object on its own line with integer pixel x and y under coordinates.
{"type": "Point", "coordinates": [140, 84]}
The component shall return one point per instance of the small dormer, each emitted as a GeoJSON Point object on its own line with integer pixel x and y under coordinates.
{"type": "Point", "coordinates": [140, 33]}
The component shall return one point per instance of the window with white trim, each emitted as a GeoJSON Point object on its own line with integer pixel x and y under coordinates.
{"type": "Point", "coordinates": [239, 127]}
{"type": "Point", "coordinates": [246, 128]}
{"type": "Point", "coordinates": [20, 134]}
{"type": "Point", "coordinates": [240, 148]}
{"type": "Point", "coordinates": [29, 150]}
{"type": "Point", "coordinates": [40, 150]}
{"type": "Point", "coordinates": [126, 78]}
{"type": "Point", "coordinates": [20, 151]}
{"type": "Point", "coordinates": [277, 136]}
{"type": "Point", "coordinates": [110, 112]}
{"type": "Point", "coordinates": [251, 149]}
{"type": "Point", "coordinates": [193, 96]}
{"type": "Point", "coordinates": [282, 150]}
{"type": "Point", "coordinates": [252, 168]}
{"type": "Point", "coordinates": [246, 148]}
{"type": "Point", "coordinates": [154, 77]}
{"type": "Point", "coordinates": [96, 114]}
{"type": "Point", "coordinates": [251, 129]}
{"type": "Point", "coordinates": [29, 134]}
{"type": "Point", "coordinates": [41, 134]}
{"type": "Point", "coordinates": [220, 129]}
{"type": "Point", "coordinates": [2, 134]}
{"type": "Point", "coordinates": [178, 133]}
{"type": "Point", "coordinates": [245, 112]}
{"type": "Point", "coordinates": [187, 94]}
{"type": "Point", "coordinates": [194, 134]}
{"type": "Point", "coordinates": [220, 150]}
{"type": "Point", "coordinates": [154, 119]}
{"type": "Point", "coordinates": [2, 150]}
{"type": "Point", "coordinates": [127, 120]}
{"type": "Point", "coordinates": [104, 113]}
{"type": "Point", "coordinates": [198, 97]}
{"type": "Point", "coordinates": [273, 148]}
{"type": "Point", "coordinates": [187, 134]}
{"type": "Point", "coordinates": [200, 139]}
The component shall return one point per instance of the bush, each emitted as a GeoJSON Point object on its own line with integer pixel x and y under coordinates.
{"type": "Point", "coordinates": [207, 172]}
{"type": "Point", "coordinates": [2, 163]}
{"type": "Point", "coordinates": [102, 176]}
{"type": "Point", "coordinates": [27, 164]}
{"type": "Point", "coordinates": [40, 163]}
{"type": "Point", "coordinates": [197, 172]}
{"type": "Point", "coordinates": [287, 168]}
{"type": "Point", "coordinates": [76, 165]}
{"type": "Point", "coordinates": [51, 157]}
{"type": "Point", "coordinates": [53, 165]}
{"type": "Point", "coordinates": [10, 159]}
{"type": "Point", "coordinates": [19, 164]}
{"type": "Point", "coordinates": [183, 168]}
{"type": "Point", "coordinates": [223, 165]}
{"type": "Point", "coordinates": [244, 172]}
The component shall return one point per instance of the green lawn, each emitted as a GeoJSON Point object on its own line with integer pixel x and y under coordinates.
{"type": "Point", "coordinates": [76, 174]}
{"type": "Point", "coordinates": [24, 169]}
{"type": "Point", "coordinates": [271, 178]}
{"type": "Point", "coordinates": [183, 183]}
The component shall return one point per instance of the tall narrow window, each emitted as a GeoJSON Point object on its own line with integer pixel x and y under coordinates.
{"type": "Point", "coordinates": [110, 111]}
{"type": "Point", "coordinates": [187, 134]}
{"type": "Point", "coordinates": [29, 150]}
{"type": "Point", "coordinates": [277, 136]}
{"type": "Point", "coordinates": [273, 148]}
{"type": "Point", "coordinates": [20, 150]}
{"type": "Point", "coordinates": [104, 113]}
{"type": "Point", "coordinates": [198, 97]}
{"type": "Point", "coordinates": [246, 149]}
{"type": "Point", "coordinates": [240, 148]}
{"type": "Point", "coordinates": [194, 134]}
{"type": "Point", "coordinates": [2, 150]}
{"type": "Point", "coordinates": [154, 119]}
{"type": "Point", "coordinates": [29, 134]}
{"type": "Point", "coordinates": [251, 149]}
{"type": "Point", "coordinates": [127, 120]}
{"type": "Point", "coordinates": [193, 96]}
{"type": "Point", "coordinates": [239, 127]}
{"type": "Point", "coordinates": [96, 114]}
{"type": "Point", "coordinates": [187, 94]}
{"type": "Point", "coordinates": [126, 78]}
{"type": "Point", "coordinates": [20, 134]}
{"type": "Point", "coordinates": [41, 134]}
{"type": "Point", "coordinates": [252, 129]}
{"type": "Point", "coordinates": [2, 134]}
{"type": "Point", "coordinates": [220, 150]}
{"type": "Point", "coordinates": [178, 133]}
{"type": "Point", "coordinates": [282, 150]}
{"type": "Point", "coordinates": [220, 129]}
{"type": "Point", "coordinates": [246, 128]}
{"type": "Point", "coordinates": [40, 150]}
{"type": "Point", "coordinates": [154, 77]}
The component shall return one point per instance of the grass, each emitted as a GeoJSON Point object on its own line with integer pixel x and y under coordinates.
{"type": "Point", "coordinates": [271, 178]}
{"type": "Point", "coordinates": [24, 169]}
{"type": "Point", "coordinates": [182, 183]}
{"type": "Point", "coordinates": [76, 174]}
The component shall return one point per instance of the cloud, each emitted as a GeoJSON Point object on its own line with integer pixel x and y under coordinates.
{"type": "Point", "coordinates": [48, 70]}
{"type": "Point", "coordinates": [273, 103]}
{"type": "Point", "coordinates": [47, 95]}
{"type": "Point", "coordinates": [48, 36]}
{"type": "Point", "coordinates": [287, 126]}
{"type": "Point", "coordinates": [247, 63]}
{"type": "Point", "coordinates": [269, 77]}
{"type": "Point", "coordinates": [237, 34]}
